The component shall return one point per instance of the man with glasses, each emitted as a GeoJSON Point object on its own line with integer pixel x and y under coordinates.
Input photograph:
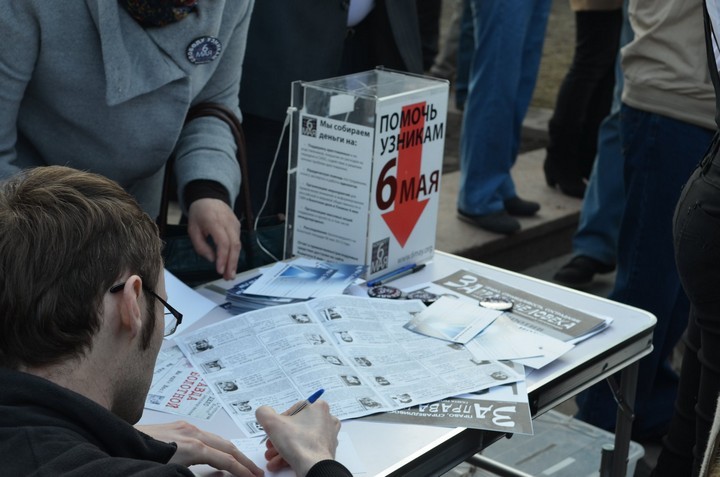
{"type": "Point", "coordinates": [81, 300]}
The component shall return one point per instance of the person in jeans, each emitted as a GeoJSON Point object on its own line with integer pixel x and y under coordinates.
{"type": "Point", "coordinates": [666, 126]}
{"type": "Point", "coordinates": [594, 243]}
{"type": "Point", "coordinates": [509, 36]}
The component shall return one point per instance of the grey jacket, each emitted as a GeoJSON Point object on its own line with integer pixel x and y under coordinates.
{"type": "Point", "coordinates": [666, 66]}
{"type": "Point", "coordinates": [82, 84]}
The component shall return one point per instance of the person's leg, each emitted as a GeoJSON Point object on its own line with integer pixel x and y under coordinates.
{"type": "Point", "coordinates": [697, 252]}
{"type": "Point", "coordinates": [583, 100]}
{"type": "Point", "coordinates": [539, 12]}
{"type": "Point", "coordinates": [603, 42]}
{"type": "Point", "coordinates": [596, 236]}
{"type": "Point", "coordinates": [466, 47]}
{"type": "Point", "coordinates": [602, 207]}
{"type": "Point", "coordinates": [503, 71]}
{"type": "Point", "coordinates": [660, 154]}
{"type": "Point", "coordinates": [676, 455]}
{"type": "Point", "coordinates": [486, 143]}
{"type": "Point", "coordinates": [531, 57]}
{"type": "Point", "coordinates": [446, 60]}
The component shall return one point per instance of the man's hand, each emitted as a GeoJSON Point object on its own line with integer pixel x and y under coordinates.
{"type": "Point", "coordinates": [299, 441]}
{"type": "Point", "coordinates": [199, 447]}
{"type": "Point", "coordinates": [214, 218]}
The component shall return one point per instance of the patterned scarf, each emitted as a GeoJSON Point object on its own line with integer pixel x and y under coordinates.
{"type": "Point", "coordinates": [157, 13]}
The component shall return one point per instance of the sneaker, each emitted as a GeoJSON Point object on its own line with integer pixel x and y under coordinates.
{"type": "Point", "coordinates": [499, 222]}
{"type": "Point", "coordinates": [580, 271]}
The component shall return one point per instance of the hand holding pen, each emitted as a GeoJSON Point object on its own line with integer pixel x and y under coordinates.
{"type": "Point", "coordinates": [300, 440]}
{"type": "Point", "coordinates": [299, 407]}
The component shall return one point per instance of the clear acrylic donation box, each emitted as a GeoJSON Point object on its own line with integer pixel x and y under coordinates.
{"type": "Point", "coordinates": [366, 154]}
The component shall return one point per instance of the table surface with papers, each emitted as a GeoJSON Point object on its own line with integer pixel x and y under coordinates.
{"type": "Point", "coordinates": [411, 449]}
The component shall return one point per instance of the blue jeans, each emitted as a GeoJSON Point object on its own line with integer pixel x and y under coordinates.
{"type": "Point", "coordinates": [509, 36]}
{"type": "Point", "coordinates": [660, 155]}
{"type": "Point", "coordinates": [604, 200]}
{"type": "Point", "coordinates": [466, 46]}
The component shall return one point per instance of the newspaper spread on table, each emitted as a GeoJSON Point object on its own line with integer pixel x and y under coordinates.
{"type": "Point", "coordinates": [355, 348]}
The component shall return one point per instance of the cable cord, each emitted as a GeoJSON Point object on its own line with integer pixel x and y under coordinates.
{"type": "Point", "coordinates": [267, 187]}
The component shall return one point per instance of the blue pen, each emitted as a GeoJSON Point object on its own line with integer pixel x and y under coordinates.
{"type": "Point", "coordinates": [313, 397]}
{"type": "Point", "coordinates": [399, 273]}
{"type": "Point", "coordinates": [389, 276]}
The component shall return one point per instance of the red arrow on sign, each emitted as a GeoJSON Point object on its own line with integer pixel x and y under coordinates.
{"type": "Point", "coordinates": [408, 209]}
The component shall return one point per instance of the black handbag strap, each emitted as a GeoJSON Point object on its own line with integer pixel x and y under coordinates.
{"type": "Point", "coordinates": [226, 115]}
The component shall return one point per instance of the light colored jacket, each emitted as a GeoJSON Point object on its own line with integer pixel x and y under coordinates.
{"type": "Point", "coordinates": [593, 5]}
{"type": "Point", "coordinates": [665, 66]}
{"type": "Point", "coordinates": [84, 85]}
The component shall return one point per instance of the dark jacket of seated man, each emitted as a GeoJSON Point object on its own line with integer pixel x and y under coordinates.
{"type": "Point", "coordinates": [82, 296]}
{"type": "Point", "coordinates": [49, 430]}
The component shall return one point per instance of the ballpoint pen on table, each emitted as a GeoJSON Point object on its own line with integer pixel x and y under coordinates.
{"type": "Point", "coordinates": [313, 397]}
{"type": "Point", "coordinates": [396, 274]}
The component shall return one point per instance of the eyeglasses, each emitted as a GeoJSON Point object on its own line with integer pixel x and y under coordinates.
{"type": "Point", "coordinates": [172, 317]}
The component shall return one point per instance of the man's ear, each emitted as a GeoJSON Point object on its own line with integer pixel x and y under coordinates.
{"type": "Point", "coordinates": [130, 307]}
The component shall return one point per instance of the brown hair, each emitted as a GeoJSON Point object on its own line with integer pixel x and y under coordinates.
{"type": "Point", "coordinates": [66, 237]}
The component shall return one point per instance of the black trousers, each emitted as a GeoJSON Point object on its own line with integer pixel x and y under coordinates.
{"type": "Point", "coordinates": [697, 253]}
{"type": "Point", "coordinates": [585, 95]}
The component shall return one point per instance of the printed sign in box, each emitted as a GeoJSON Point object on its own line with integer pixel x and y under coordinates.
{"type": "Point", "coordinates": [365, 169]}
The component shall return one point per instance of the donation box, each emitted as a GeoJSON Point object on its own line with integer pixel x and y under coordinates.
{"type": "Point", "coordinates": [366, 153]}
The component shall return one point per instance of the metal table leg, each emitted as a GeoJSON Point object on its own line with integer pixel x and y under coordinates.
{"type": "Point", "coordinates": [625, 398]}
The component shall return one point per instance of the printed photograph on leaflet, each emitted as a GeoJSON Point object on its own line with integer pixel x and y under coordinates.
{"type": "Point", "coordinates": [409, 148]}
{"type": "Point", "coordinates": [332, 187]}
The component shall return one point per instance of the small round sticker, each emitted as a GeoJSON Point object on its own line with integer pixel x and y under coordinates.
{"type": "Point", "coordinates": [384, 291]}
{"type": "Point", "coordinates": [203, 50]}
{"type": "Point", "coordinates": [423, 295]}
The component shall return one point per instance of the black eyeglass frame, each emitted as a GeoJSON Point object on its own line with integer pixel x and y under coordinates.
{"type": "Point", "coordinates": [175, 313]}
